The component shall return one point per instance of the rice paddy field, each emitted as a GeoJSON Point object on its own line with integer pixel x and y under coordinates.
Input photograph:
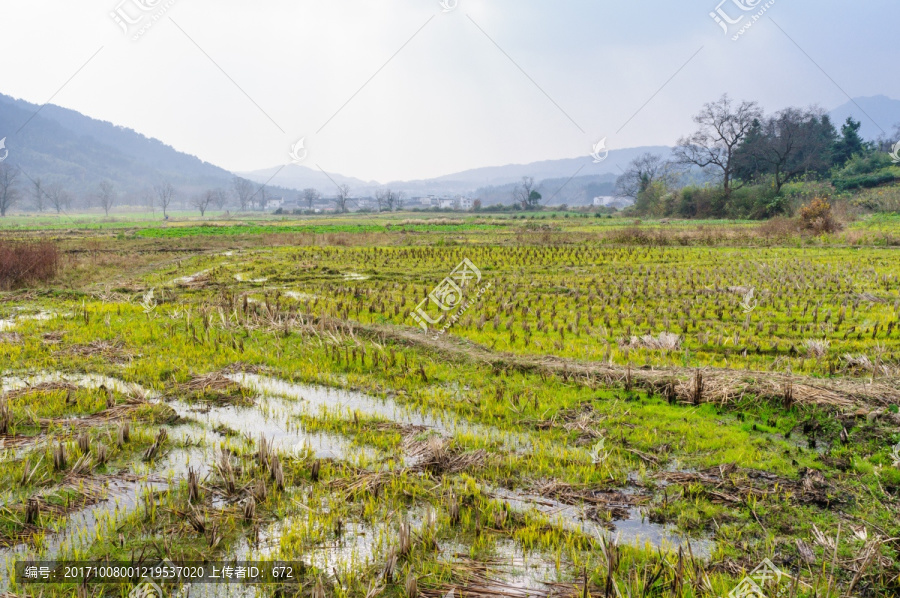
{"type": "Point", "coordinates": [411, 406]}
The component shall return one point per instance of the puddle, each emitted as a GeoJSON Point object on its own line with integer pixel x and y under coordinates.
{"type": "Point", "coordinates": [81, 527]}
{"type": "Point", "coordinates": [275, 416]}
{"type": "Point", "coordinates": [243, 278]}
{"type": "Point", "coordinates": [346, 402]}
{"type": "Point", "coordinates": [511, 568]}
{"type": "Point", "coordinates": [84, 380]}
{"type": "Point", "coordinates": [94, 381]}
{"type": "Point", "coordinates": [300, 296]}
{"type": "Point", "coordinates": [636, 530]}
{"type": "Point", "coordinates": [275, 419]}
{"type": "Point", "coordinates": [10, 323]}
{"type": "Point", "coordinates": [186, 280]}
{"type": "Point", "coordinates": [361, 544]}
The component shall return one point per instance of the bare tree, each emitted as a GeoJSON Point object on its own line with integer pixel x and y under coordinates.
{"type": "Point", "coordinates": [149, 199]}
{"type": "Point", "coordinates": [642, 172]}
{"type": "Point", "coordinates": [202, 201]}
{"type": "Point", "coordinates": [263, 198]}
{"type": "Point", "coordinates": [389, 200]}
{"type": "Point", "coordinates": [311, 196]}
{"type": "Point", "coordinates": [340, 200]}
{"type": "Point", "coordinates": [243, 189]}
{"type": "Point", "coordinates": [58, 198]}
{"type": "Point", "coordinates": [106, 196]}
{"type": "Point", "coordinates": [9, 192]}
{"type": "Point", "coordinates": [165, 195]}
{"type": "Point", "coordinates": [37, 194]}
{"type": "Point", "coordinates": [220, 198]}
{"type": "Point", "coordinates": [722, 127]}
{"type": "Point", "coordinates": [381, 197]}
{"type": "Point", "coordinates": [526, 194]}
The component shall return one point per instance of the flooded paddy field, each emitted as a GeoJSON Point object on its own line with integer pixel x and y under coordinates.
{"type": "Point", "coordinates": [566, 436]}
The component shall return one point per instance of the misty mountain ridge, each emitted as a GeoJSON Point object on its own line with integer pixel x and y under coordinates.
{"type": "Point", "coordinates": [65, 145]}
{"type": "Point", "coordinates": [59, 144]}
{"type": "Point", "coordinates": [571, 177]}
{"type": "Point", "coordinates": [879, 115]}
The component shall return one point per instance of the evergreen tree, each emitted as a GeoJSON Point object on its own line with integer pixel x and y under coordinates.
{"type": "Point", "coordinates": [850, 142]}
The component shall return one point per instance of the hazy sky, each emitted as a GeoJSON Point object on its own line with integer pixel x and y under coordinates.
{"type": "Point", "coordinates": [400, 89]}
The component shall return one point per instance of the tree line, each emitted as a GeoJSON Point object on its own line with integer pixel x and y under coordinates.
{"type": "Point", "coordinates": [739, 160]}
{"type": "Point", "coordinates": [19, 190]}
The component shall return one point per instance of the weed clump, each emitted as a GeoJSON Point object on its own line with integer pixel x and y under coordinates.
{"type": "Point", "coordinates": [24, 264]}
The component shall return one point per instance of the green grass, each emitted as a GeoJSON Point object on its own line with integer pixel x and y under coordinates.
{"type": "Point", "coordinates": [522, 429]}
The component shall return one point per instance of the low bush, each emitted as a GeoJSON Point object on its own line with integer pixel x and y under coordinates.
{"type": "Point", "coordinates": [867, 181]}
{"type": "Point", "coordinates": [817, 217]}
{"type": "Point", "coordinates": [23, 264]}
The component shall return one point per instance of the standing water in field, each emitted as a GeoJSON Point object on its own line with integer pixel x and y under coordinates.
{"type": "Point", "coordinates": [345, 402]}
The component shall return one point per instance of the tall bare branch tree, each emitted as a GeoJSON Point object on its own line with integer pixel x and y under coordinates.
{"type": "Point", "coordinates": [149, 199]}
{"type": "Point", "coordinates": [642, 172]}
{"type": "Point", "coordinates": [220, 198]}
{"type": "Point", "coordinates": [243, 190]}
{"type": "Point", "coordinates": [202, 201]}
{"type": "Point", "coordinates": [340, 200]}
{"type": "Point", "coordinates": [37, 194]}
{"type": "Point", "coordinates": [9, 191]}
{"type": "Point", "coordinates": [526, 194]}
{"type": "Point", "coordinates": [106, 195]}
{"type": "Point", "coordinates": [58, 197]}
{"type": "Point", "coordinates": [389, 200]}
{"type": "Point", "coordinates": [722, 127]}
{"type": "Point", "coordinates": [165, 195]}
{"type": "Point", "coordinates": [311, 196]}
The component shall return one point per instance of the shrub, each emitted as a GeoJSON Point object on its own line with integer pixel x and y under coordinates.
{"type": "Point", "coordinates": [816, 216]}
{"type": "Point", "coordinates": [797, 193]}
{"type": "Point", "coordinates": [700, 202]}
{"type": "Point", "coordinates": [22, 264]}
{"type": "Point", "coordinates": [866, 181]}
{"type": "Point", "coordinates": [864, 164]}
{"type": "Point", "coordinates": [883, 199]}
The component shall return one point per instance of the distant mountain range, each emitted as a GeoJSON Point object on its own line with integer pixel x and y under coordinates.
{"type": "Point", "coordinates": [571, 180]}
{"type": "Point", "coordinates": [878, 114]}
{"type": "Point", "coordinates": [58, 144]}
{"type": "Point", "coordinates": [61, 144]}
